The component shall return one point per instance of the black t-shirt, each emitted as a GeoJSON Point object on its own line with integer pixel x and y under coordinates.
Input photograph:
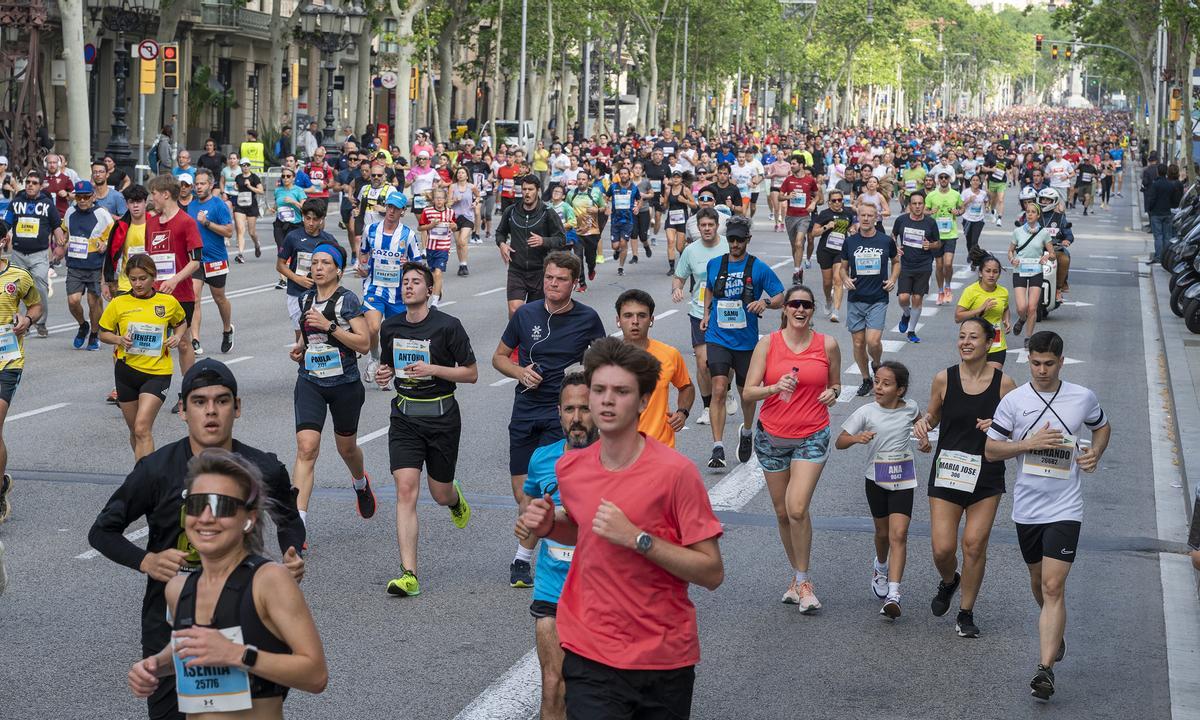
{"type": "Point", "coordinates": [352, 177]}
{"type": "Point", "coordinates": [729, 195]}
{"type": "Point", "coordinates": [212, 163]}
{"type": "Point", "coordinates": [910, 234]}
{"type": "Point", "coordinates": [439, 339]}
{"type": "Point", "coordinates": [116, 178]}
{"type": "Point", "coordinates": [838, 222]}
{"type": "Point", "coordinates": [1085, 174]}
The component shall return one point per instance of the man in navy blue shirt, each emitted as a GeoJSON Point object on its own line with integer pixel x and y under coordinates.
{"type": "Point", "coordinates": [861, 271]}
{"type": "Point", "coordinates": [624, 203]}
{"type": "Point", "coordinates": [549, 335]}
{"type": "Point", "coordinates": [732, 306]}
{"type": "Point", "coordinates": [295, 255]}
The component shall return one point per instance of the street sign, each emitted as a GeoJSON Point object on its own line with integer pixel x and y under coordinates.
{"type": "Point", "coordinates": [388, 80]}
{"type": "Point", "coordinates": [89, 53]}
{"type": "Point", "coordinates": [147, 50]}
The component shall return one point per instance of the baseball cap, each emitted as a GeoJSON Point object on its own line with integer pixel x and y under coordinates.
{"type": "Point", "coordinates": [84, 187]}
{"type": "Point", "coordinates": [397, 199]}
{"type": "Point", "coordinates": [737, 227]}
{"type": "Point", "coordinates": [943, 174]}
{"type": "Point", "coordinates": [207, 373]}
{"type": "Point", "coordinates": [3, 159]}
{"type": "Point", "coordinates": [245, 161]}
{"type": "Point", "coordinates": [186, 178]}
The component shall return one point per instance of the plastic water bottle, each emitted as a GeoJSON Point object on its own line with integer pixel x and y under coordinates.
{"type": "Point", "coordinates": [786, 395]}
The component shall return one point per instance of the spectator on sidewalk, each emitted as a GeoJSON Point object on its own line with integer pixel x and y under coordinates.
{"type": "Point", "coordinates": [1162, 198]}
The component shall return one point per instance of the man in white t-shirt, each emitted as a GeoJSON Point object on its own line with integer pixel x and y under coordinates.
{"type": "Point", "coordinates": [1039, 424]}
{"type": "Point", "coordinates": [1060, 172]}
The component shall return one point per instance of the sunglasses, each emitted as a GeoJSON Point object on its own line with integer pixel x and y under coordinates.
{"type": "Point", "coordinates": [833, 200]}
{"type": "Point", "coordinates": [706, 198]}
{"type": "Point", "coordinates": [222, 506]}
{"type": "Point", "coordinates": [288, 175]}
{"type": "Point", "coordinates": [376, 176]}
{"type": "Point", "coordinates": [33, 182]}
{"type": "Point", "coordinates": [798, 304]}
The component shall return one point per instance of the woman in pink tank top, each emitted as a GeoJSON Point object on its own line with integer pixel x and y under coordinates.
{"type": "Point", "coordinates": [796, 372]}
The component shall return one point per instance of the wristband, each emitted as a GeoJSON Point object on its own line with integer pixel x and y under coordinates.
{"type": "Point", "coordinates": [686, 413]}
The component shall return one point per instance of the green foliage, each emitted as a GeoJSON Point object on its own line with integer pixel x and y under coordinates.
{"type": "Point", "coordinates": [203, 93]}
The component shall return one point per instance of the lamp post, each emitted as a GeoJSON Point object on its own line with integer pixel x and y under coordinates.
{"type": "Point", "coordinates": [332, 27]}
{"type": "Point", "coordinates": [135, 17]}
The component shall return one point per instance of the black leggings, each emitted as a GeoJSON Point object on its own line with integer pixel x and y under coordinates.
{"type": "Point", "coordinates": [588, 245]}
{"type": "Point", "coordinates": [641, 229]}
{"type": "Point", "coordinates": [1105, 188]}
{"type": "Point", "coordinates": [281, 229]}
{"type": "Point", "coordinates": [973, 231]}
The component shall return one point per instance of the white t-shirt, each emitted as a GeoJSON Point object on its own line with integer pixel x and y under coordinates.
{"type": "Point", "coordinates": [1038, 497]}
{"type": "Point", "coordinates": [693, 263]}
{"type": "Point", "coordinates": [975, 203]}
{"type": "Point", "coordinates": [1059, 172]}
{"type": "Point", "coordinates": [970, 167]}
{"type": "Point", "coordinates": [892, 428]}
{"type": "Point", "coordinates": [942, 168]}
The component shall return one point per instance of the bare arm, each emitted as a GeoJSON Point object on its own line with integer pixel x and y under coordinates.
{"type": "Point", "coordinates": [754, 390]}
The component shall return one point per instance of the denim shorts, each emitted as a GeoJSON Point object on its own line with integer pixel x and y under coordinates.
{"type": "Point", "coordinates": [814, 449]}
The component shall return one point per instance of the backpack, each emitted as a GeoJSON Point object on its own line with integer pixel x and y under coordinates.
{"type": "Point", "coordinates": [152, 159]}
{"type": "Point", "coordinates": [747, 280]}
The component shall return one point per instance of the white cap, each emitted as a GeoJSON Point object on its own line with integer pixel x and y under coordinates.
{"type": "Point", "coordinates": [186, 178]}
{"type": "Point", "coordinates": [423, 154]}
{"type": "Point", "coordinates": [3, 159]}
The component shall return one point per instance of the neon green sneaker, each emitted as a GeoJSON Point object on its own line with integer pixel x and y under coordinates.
{"type": "Point", "coordinates": [405, 585]}
{"type": "Point", "coordinates": [460, 512]}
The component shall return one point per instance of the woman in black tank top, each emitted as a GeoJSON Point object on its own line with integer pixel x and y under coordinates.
{"type": "Point", "coordinates": [962, 401]}
{"type": "Point", "coordinates": [243, 632]}
{"type": "Point", "coordinates": [680, 204]}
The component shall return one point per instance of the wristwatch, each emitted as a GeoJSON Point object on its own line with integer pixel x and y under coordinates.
{"type": "Point", "coordinates": [643, 543]}
{"type": "Point", "coordinates": [250, 656]}
{"type": "Point", "coordinates": [332, 326]}
{"type": "Point", "coordinates": [686, 413]}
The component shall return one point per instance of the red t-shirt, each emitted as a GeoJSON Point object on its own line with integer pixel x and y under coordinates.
{"type": "Point", "coordinates": [605, 150]}
{"type": "Point", "coordinates": [320, 175]}
{"type": "Point", "coordinates": [54, 183]}
{"type": "Point", "coordinates": [617, 607]}
{"type": "Point", "coordinates": [170, 244]}
{"type": "Point", "coordinates": [803, 414]}
{"type": "Point", "coordinates": [507, 175]}
{"type": "Point", "coordinates": [440, 236]}
{"type": "Point", "coordinates": [792, 188]}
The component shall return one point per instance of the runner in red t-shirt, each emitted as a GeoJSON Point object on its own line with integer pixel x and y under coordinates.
{"type": "Point", "coordinates": [508, 180]}
{"type": "Point", "coordinates": [802, 195]}
{"type": "Point", "coordinates": [643, 529]}
{"type": "Point", "coordinates": [58, 184]}
{"type": "Point", "coordinates": [436, 225]}
{"type": "Point", "coordinates": [173, 242]}
{"type": "Point", "coordinates": [320, 173]}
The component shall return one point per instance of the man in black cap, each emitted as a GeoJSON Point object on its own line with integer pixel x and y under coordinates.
{"type": "Point", "coordinates": [154, 490]}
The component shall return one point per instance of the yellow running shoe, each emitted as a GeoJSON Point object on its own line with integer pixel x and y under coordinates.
{"type": "Point", "coordinates": [460, 512]}
{"type": "Point", "coordinates": [404, 585]}
{"type": "Point", "coordinates": [600, 258]}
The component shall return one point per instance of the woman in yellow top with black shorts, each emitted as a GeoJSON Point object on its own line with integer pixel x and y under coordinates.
{"type": "Point", "coordinates": [988, 299]}
{"type": "Point", "coordinates": [145, 326]}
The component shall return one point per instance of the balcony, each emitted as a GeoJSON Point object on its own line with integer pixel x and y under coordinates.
{"type": "Point", "coordinates": [219, 15]}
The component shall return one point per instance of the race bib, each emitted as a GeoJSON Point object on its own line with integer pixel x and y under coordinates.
{"type": "Point", "coordinates": [322, 360]}
{"type": "Point", "coordinates": [997, 335]}
{"type": "Point", "coordinates": [1052, 463]}
{"type": "Point", "coordinates": [164, 265]}
{"type": "Point", "coordinates": [913, 238]}
{"type": "Point", "coordinates": [1052, 231]}
{"type": "Point", "coordinates": [835, 241]}
{"type": "Point", "coordinates": [975, 208]}
{"type": "Point", "coordinates": [407, 352]}
{"type": "Point", "coordinates": [731, 315]}
{"type": "Point", "coordinates": [245, 198]}
{"type": "Point", "coordinates": [146, 339]}
{"type": "Point", "coordinates": [216, 268]}
{"type": "Point", "coordinates": [77, 247]}
{"type": "Point", "coordinates": [798, 200]}
{"type": "Point", "coordinates": [676, 217]}
{"type": "Point", "coordinates": [621, 201]}
{"type": "Point", "coordinates": [419, 202]}
{"type": "Point", "coordinates": [867, 264]}
{"type": "Point", "coordinates": [744, 189]}
{"type": "Point", "coordinates": [386, 273]}
{"type": "Point", "coordinates": [286, 214]}
{"type": "Point", "coordinates": [945, 225]}
{"type": "Point", "coordinates": [910, 185]}
{"type": "Point", "coordinates": [1085, 178]}
{"type": "Point", "coordinates": [440, 232]}
{"type": "Point", "coordinates": [998, 175]}
{"type": "Point", "coordinates": [895, 470]}
{"type": "Point", "coordinates": [957, 471]}
{"type": "Point", "coordinates": [656, 185]}
{"type": "Point", "coordinates": [10, 349]}
{"type": "Point", "coordinates": [1029, 268]}
{"type": "Point", "coordinates": [28, 227]}
{"type": "Point", "coordinates": [212, 689]}
{"type": "Point", "coordinates": [303, 263]}
{"type": "Point", "coordinates": [507, 184]}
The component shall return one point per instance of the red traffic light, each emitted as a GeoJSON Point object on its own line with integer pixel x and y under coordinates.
{"type": "Point", "coordinates": [1039, 38]}
{"type": "Point", "coordinates": [169, 52]}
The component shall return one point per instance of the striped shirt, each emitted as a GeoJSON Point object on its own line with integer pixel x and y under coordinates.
{"type": "Point", "coordinates": [388, 252]}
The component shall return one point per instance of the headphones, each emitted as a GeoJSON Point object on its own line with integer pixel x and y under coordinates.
{"type": "Point", "coordinates": [249, 524]}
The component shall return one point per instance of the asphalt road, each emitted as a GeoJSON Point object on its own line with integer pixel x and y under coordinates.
{"type": "Point", "coordinates": [69, 622]}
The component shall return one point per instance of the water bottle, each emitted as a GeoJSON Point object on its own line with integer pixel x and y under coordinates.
{"type": "Point", "coordinates": [786, 395]}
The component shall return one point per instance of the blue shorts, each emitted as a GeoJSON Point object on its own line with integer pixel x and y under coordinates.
{"type": "Point", "coordinates": [814, 449]}
{"type": "Point", "coordinates": [526, 434]}
{"type": "Point", "coordinates": [862, 315]}
{"type": "Point", "coordinates": [572, 237]}
{"type": "Point", "coordinates": [437, 259]}
{"type": "Point", "coordinates": [383, 307]}
{"type": "Point", "coordinates": [9, 380]}
{"type": "Point", "coordinates": [621, 230]}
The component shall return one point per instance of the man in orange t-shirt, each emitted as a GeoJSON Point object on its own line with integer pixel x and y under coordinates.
{"type": "Point", "coordinates": [635, 315]}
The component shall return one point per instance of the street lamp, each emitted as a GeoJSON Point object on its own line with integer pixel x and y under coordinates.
{"type": "Point", "coordinates": [139, 18]}
{"type": "Point", "coordinates": [332, 28]}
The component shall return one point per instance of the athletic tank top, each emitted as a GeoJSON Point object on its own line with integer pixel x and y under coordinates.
{"type": "Point", "coordinates": [677, 210]}
{"type": "Point", "coordinates": [960, 413]}
{"type": "Point", "coordinates": [464, 202]}
{"type": "Point", "coordinates": [802, 415]}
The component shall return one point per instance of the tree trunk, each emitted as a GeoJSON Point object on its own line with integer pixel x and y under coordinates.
{"type": "Point", "coordinates": [275, 90]}
{"type": "Point", "coordinates": [652, 28]}
{"type": "Point", "coordinates": [78, 114]}
{"type": "Point", "coordinates": [673, 99]}
{"type": "Point", "coordinates": [544, 96]}
{"type": "Point", "coordinates": [511, 95]}
{"type": "Point", "coordinates": [601, 90]}
{"type": "Point", "coordinates": [786, 120]}
{"type": "Point", "coordinates": [494, 96]}
{"type": "Point", "coordinates": [404, 22]}
{"type": "Point", "coordinates": [362, 91]}
{"type": "Point", "coordinates": [560, 120]}
{"type": "Point", "coordinates": [447, 48]}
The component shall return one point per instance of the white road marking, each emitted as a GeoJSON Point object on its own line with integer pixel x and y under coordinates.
{"type": "Point", "coordinates": [489, 292]}
{"type": "Point", "coordinates": [848, 393]}
{"type": "Point", "coordinates": [1076, 303]}
{"type": "Point", "coordinates": [364, 439]}
{"type": "Point", "coordinates": [917, 329]}
{"type": "Point", "coordinates": [135, 535]}
{"type": "Point", "coordinates": [738, 487]}
{"type": "Point", "coordinates": [1023, 357]}
{"type": "Point", "coordinates": [963, 274]}
{"type": "Point", "coordinates": [39, 411]}
{"type": "Point", "coordinates": [659, 316]}
{"type": "Point", "coordinates": [1102, 271]}
{"type": "Point", "coordinates": [240, 359]}
{"type": "Point", "coordinates": [1104, 257]}
{"type": "Point", "coordinates": [446, 303]}
{"type": "Point", "coordinates": [502, 381]}
{"type": "Point", "coordinates": [781, 263]}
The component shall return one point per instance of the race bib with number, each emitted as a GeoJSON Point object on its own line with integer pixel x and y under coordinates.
{"type": "Point", "coordinates": [1085, 178]}
{"type": "Point", "coordinates": [386, 273]}
{"type": "Point", "coordinates": [322, 360]}
{"type": "Point", "coordinates": [1029, 268]}
{"type": "Point", "coordinates": [957, 471]}
{"type": "Point", "coordinates": [245, 198]}
{"type": "Point", "coordinates": [216, 268]}
{"type": "Point", "coordinates": [676, 217]}
{"type": "Point", "coordinates": [28, 227]}
{"type": "Point", "coordinates": [146, 339]}
{"type": "Point", "coordinates": [77, 247]}
{"type": "Point", "coordinates": [945, 225]}
{"type": "Point", "coordinates": [10, 349]}
{"type": "Point", "coordinates": [440, 233]}
{"type": "Point", "coordinates": [419, 202]}
{"type": "Point", "coordinates": [895, 470]}
{"type": "Point", "coordinates": [406, 352]}
{"type": "Point", "coordinates": [910, 185]}
{"type": "Point", "coordinates": [913, 238]}
{"type": "Point", "coordinates": [867, 264]}
{"type": "Point", "coordinates": [975, 208]}
{"type": "Point", "coordinates": [835, 241]}
{"type": "Point", "coordinates": [164, 265]}
{"type": "Point", "coordinates": [285, 213]}
{"type": "Point", "coordinates": [798, 200]}
{"type": "Point", "coordinates": [621, 201]}
{"type": "Point", "coordinates": [507, 184]}
{"type": "Point", "coordinates": [1053, 463]}
{"type": "Point", "coordinates": [204, 689]}
{"type": "Point", "coordinates": [731, 315]}
{"type": "Point", "coordinates": [656, 185]}
{"type": "Point", "coordinates": [303, 263]}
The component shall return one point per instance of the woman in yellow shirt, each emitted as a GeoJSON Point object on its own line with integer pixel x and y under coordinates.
{"type": "Point", "coordinates": [987, 298]}
{"type": "Point", "coordinates": [145, 326]}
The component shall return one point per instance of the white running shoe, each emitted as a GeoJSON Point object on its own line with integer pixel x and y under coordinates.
{"type": "Point", "coordinates": [704, 418]}
{"type": "Point", "coordinates": [792, 596]}
{"type": "Point", "coordinates": [808, 599]}
{"type": "Point", "coordinates": [372, 367]}
{"type": "Point", "coordinates": [828, 312]}
{"type": "Point", "coordinates": [879, 583]}
{"type": "Point", "coordinates": [730, 404]}
{"type": "Point", "coordinates": [891, 607]}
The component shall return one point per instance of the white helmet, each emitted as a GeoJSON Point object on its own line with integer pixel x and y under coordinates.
{"type": "Point", "coordinates": [1048, 197]}
{"type": "Point", "coordinates": [1028, 194]}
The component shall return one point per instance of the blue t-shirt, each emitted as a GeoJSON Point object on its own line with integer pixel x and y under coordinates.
{"type": "Point", "coordinates": [729, 325]}
{"type": "Point", "coordinates": [114, 203]}
{"type": "Point", "coordinates": [554, 343]}
{"type": "Point", "coordinates": [297, 251]}
{"type": "Point", "coordinates": [553, 558]}
{"type": "Point", "coordinates": [285, 212]}
{"type": "Point", "coordinates": [869, 263]}
{"type": "Point", "coordinates": [218, 214]}
{"type": "Point", "coordinates": [623, 200]}
{"type": "Point", "coordinates": [325, 363]}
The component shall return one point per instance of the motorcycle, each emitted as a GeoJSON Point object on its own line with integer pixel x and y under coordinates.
{"type": "Point", "coordinates": [1185, 275]}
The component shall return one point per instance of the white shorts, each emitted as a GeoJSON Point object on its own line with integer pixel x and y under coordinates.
{"type": "Point", "coordinates": [293, 306]}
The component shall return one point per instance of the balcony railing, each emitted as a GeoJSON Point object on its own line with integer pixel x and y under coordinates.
{"type": "Point", "coordinates": [250, 22]}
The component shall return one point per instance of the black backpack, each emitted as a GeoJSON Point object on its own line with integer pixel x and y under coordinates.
{"type": "Point", "coordinates": [747, 279]}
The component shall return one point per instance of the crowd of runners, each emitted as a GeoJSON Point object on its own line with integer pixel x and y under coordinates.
{"type": "Point", "coordinates": [600, 490]}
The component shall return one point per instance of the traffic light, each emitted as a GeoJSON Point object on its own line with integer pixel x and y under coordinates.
{"type": "Point", "coordinates": [1038, 39]}
{"type": "Point", "coordinates": [414, 82]}
{"type": "Point", "coordinates": [170, 55]}
{"type": "Point", "coordinates": [286, 77]}
{"type": "Point", "coordinates": [1067, 52]}
{"type": "Point", "coordinates": [1053, 52]}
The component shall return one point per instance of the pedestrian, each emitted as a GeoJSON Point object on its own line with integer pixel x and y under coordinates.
{"type": "Point", "coordinates": [1162, 198]}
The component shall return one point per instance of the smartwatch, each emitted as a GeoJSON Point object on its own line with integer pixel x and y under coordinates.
{"type": "Point", "coordinates": [250, 656]}
{"type": "Point", "coordinates": [332, 326]}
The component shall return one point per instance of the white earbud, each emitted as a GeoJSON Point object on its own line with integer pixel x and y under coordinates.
{"type": "Point", "coordinates": [249, 524]}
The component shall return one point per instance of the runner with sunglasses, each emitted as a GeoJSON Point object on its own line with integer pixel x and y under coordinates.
{"type": "Point", "coordinates": [154, 491]}
{"type": "Point", "coordinates": [289, 207]}
{"type": "Point", "coordinates": [833, 225]}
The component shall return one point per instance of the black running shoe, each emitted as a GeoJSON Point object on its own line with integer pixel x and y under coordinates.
{"type": "Point", "coordinates": [6, 484]}
{"type": "Point", "coordinates": [1018, 326]}
{"type": "Point", "coordinates": [646, 247]}
{"type": "Point", "coordinates": [941, 602]}
{"type": "Point", "coordinates": [633, 260]}
{"type": "Point", "coordinates": [520, 574]}
{"type": "Point", "coordinates": [965, 624]}
{"type": "Point", "coordinates": [620, 271]}
{"type": "Point", "coordinates": [227, 340]}
{"type": "Point", "coordinates": [365, 500]}
{"type": "Point", "coordinates": [798, 277]}
{"type": "Point", "coordinates": [745, 446]}
{"type": "Point", "coordinates": [718, 458]}
{"type": "Point", "coordinates": [865, 388]}
{"type": "Point", "coordinates": [1042, 684]}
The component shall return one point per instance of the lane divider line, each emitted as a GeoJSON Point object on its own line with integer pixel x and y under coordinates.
{"type": "Point", "coordinates": [39, 411]}
{"type": "Point", "coordinates": [489, 292]}
{"type": "Point", "coordinates": [132, 536]}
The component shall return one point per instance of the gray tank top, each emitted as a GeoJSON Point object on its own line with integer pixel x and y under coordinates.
{"type": "Point", "coordinates": [464, 202]}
